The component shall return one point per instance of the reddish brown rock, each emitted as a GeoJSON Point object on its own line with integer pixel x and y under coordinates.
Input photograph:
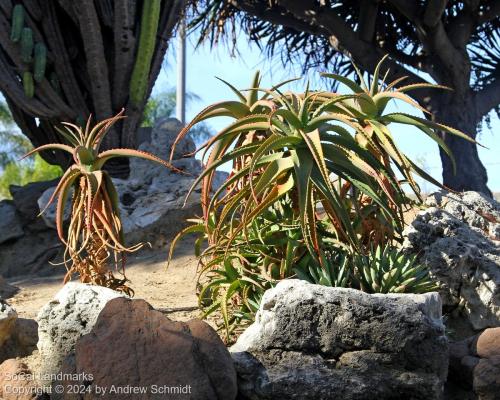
{"type": "Point", "coordinates": [17, 383]}
{"type": "Point", "coordinates": [133, 347]}
{"type": "Point", "coordinates": [488, 343]}
{"type": "Point", "coordinates": [487, 378]}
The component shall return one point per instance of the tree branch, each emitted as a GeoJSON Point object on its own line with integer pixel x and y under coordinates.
{"type": "Point", "coordinates": [462, 27]}
{"type": "Point", "coordinates": [488, 98]}
{"type": "Point", "coordinates": [434, 11]}
{"type": "Point", "coordinates": [408, 8]}
{"type": "Point", "coordinates": [96, 63]}
{"type": "Point", "coordinates": [367, 19]}
{"type": "Point", "coordinates": [344, 39]}
{"type": "Point", "coordinates": [489, 11]}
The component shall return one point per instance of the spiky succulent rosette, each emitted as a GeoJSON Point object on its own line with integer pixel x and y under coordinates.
{"type": "Point", "coordinates": [94, 238]}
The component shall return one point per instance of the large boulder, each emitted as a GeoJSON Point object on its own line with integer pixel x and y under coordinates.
{"type": "Point", "coordinates": [6, 289]}
{"type": "Point", "coordinates": [31, 253]}
{"type": "Point", "coordinates": [316, 342]}
{"type": "Point", "coordinates": [458, 238]}
{"type": "Point", "coordinates": [71, 314]}
{"type": "Point", "coordinates": [133, 346]}
{"type": "Point", "coordinates": [10, 223]}
{"type": "Point", "coordinates": [29, 245]}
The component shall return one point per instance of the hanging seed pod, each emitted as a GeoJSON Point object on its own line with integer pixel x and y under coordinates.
{"type": "Point", "coordinates": [28, 84]}
{"type": "Point", "coordinates": [26, 44]}
{"type": "Point", "coordinates": [40, 62]}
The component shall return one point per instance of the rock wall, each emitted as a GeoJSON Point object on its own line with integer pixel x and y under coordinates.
{"type": "Point", "coordinates": [458, 238]}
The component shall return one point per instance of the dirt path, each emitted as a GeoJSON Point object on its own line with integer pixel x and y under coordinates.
{"type": "Point", "coordinates": [172, 290]}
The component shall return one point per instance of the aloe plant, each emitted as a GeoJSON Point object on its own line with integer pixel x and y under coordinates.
{"type": "Point", "coordinates": [382, 270]}
{"type": "Point", "coordinates": [330, 157]}
{"type": "Point", "coordinates": [233, 275]}
{"type": "Point", "coordinates": [390, 270]}
{"type": "Point", "coordinates": [94, 233]}
{"type": "Point", "coordinates": [291, 144]}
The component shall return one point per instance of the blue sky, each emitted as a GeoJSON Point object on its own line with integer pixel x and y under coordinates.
{"type": "Point", "coordinates": [203, 65]}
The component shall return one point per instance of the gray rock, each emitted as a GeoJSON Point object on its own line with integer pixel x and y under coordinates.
{"type": "Point", "coordinates": [310, 342]}
{"type": "Point", "coordinates": [31, 253]}
{"type": "Point", "coordinates": [162, 138]}
{"type": "Point", "coordinates": [10, 223]}
{"type": "Point", "coordinates": [49, 210]}
{"type": "Point", "coordinates": [71, 314]}
{"type": "Point", "coordinates": [457, 238]}
{"type": "Point", "coordinates": [6, 289]}
{"type": "Point", "coordinates": [26, 197]}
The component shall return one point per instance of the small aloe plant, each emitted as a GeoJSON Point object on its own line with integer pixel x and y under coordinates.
{"type": "Point", "coordinates": [94, 234]}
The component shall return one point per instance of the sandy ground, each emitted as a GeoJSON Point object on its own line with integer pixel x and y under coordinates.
{"type": "Point", "coordinates": [172, 290]}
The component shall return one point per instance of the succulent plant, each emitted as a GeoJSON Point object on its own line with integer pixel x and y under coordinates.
{"type": "Point", "coordinates": [390, 270]}
{"type": "Point", "coordinates": [333, 160]}
{"type": "Point", "coordinates": [147, 40]}
{"type": "Point", "coordinates": [95, 232]}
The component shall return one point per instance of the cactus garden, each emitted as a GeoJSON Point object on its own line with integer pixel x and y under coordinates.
{"type": "Point", "coordinates": [233, 199]}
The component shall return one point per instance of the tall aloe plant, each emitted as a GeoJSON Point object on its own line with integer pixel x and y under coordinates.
{"type": "Point", "coordinates": [322, 148]}
{"type": "Point", "coordinates": [332, 156]}
{"type": "Point", "coordinates": [94, 236]}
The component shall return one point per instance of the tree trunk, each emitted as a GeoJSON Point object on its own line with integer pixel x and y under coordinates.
{"type": "Point", "coordinates": [459, 112]}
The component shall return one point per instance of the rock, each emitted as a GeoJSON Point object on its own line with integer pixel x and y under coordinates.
{"type": "Point", "coordinates": [310, 341]}
{"type": "Point", "coordinates": [30, 254]}
{"type": "Point", "coordinates": [71, 314]}
{"type": "Point", "coordinates": [10, 223]}
{"type": "Point", "coordinates": [8, 318]}
{"type": "Point", "coordinates": [26, 197]}
{"type": "Point", "coordinates": [6, 289]}
{"type": "Point", "coordinates": [488, 343]}
{"type": "Point", "coordinates": [132, 345]}
{"type": "Point", "coordinates": [475, 364]}
{"type": "Point", "coordinates": [487, 378]}
{"type": "Point", "coordinates": [455, 237]}
{"type": "Point", "coordinates": [22, 340]}
{"type": "Point", "coordinates": [462, 361]}
{"type": "Point", "coordinates": [26, 335]}
{"type": "Point", "coordinates": [49, 211]}
{"type": "Point", "coordinates": [17, 383]}
{"type": "Point", "coordinates": [32, 245]}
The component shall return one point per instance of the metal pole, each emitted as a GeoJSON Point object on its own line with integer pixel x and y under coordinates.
{"type": "Point", "coordinates": [181, 75]}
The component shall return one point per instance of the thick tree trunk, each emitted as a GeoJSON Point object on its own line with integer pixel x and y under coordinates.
{"type": "Point", "coordinates": [459, 112]}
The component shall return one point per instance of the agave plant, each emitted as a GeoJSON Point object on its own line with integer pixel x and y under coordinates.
{"type": "Point", "coordinates": [382, 270]}
{"type": "Point", "coordinates": [389, 270]}
{"type": "Point", "coordinates": [94, 235]}
{"type": "Point", "coordinates": [336, 270]}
